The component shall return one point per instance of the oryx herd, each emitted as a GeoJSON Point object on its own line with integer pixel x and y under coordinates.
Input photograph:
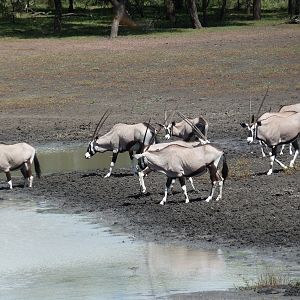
{"type": "Point", "coordinates": [191, 154]}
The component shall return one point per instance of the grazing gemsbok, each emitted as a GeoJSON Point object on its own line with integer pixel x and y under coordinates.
{"type": "Point", "coordinates": [276, 129]}
{"type": "Point", "coordinates": [184, 160]}
{"type": "Point", "coordinates": [121, 138]}
{"type": "Point", "coordinates": [184, 131]}
{"type": "Point", "coordinates": [19, 156]}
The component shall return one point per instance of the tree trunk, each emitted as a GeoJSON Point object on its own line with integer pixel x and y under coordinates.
{"type": "Point", "coordinates": [192, 9]}
{"type": "Point", "coordinates": [248, 7]}
{"type": "Point", "coordinates": [71, 6]}
{"type": "Point", "coordinates": [293, 7]}
{"type": "Point", "coordinates": [204, 11]}
{"type": "Point", "coordinates": [57, 17]}
{"type": "Point", "coordinates": [170, 11]}
{"type": "Point", "coordinates": [121, 16]}
{"type": "Point", "coordinates": [256, 9]}
{"type": "Point", "coordinates": [297, 7]}
{"type": "Point", "coordinates": [223, 10]}
{"type": "Point", "coordinates": [178, 4]}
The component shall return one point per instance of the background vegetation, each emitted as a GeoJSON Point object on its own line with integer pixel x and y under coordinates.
{"type": "Point", "coordinates": [38, 18]}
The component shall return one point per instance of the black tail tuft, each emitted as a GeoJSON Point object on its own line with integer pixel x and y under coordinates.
{"type": "Point", "coordinates": [225, 169]}
{"type": "Point", "coordinates": [37, 166]}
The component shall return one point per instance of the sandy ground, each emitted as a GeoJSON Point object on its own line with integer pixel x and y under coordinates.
{"type": "Point", "coordinates": [56, 91]}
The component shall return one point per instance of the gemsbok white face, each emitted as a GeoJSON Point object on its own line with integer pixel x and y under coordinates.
{"type": "Point", "coordinates": [168, 130]}
{"type": "Point", "coordinates": [90, 150]}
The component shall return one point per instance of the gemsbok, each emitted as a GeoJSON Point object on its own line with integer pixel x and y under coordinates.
{"type": "Point", "coordinates": [184, 131]}
{"type": "Point", "coordinates": [177, 161]}
{"type": "Point", "coordinates": [19, 156]}
{"type": "Point", "coordinates": [274, 130]}
{"type": "Point", "coordinates": [158, 147]}
{"type": "Point", "coordinates": [121, 138]}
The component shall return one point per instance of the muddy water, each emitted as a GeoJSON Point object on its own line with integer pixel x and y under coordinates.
{"type": "Point", "coordinates": [57, 158]}
{"type": "Point", "coordinates": [48, 255]}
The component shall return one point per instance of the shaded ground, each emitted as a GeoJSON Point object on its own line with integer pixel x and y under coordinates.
{"type": "Point", "coordinates": [55, 90]}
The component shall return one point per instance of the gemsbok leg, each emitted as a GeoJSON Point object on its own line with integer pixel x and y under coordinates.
{"type": "Point", "coordinates": [167, 190]}
{"type": "Point", "coordinates": [8, 177]}
{"type": "Point", "coordinates": [215, 178]}
{"type": "Point", "coordinates": [142, 174]}
{"type": "Point", "coordinates": [296, 147]}
{"type": "Point", "coordinates": [112, 164]}
{"type": "Point", "coordinates": [168, 187]}
{"type": "Point", "coordinates": [272, 159]}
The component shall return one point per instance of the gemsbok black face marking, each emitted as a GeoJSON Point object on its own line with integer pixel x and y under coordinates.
{"type": "Point", "coordinates": [19, 156]}
{"type": "Point", "coordinates": [121, 138]}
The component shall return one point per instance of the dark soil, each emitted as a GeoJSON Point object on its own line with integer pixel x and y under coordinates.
{"type": "Point", "coordinates": [57, 91]}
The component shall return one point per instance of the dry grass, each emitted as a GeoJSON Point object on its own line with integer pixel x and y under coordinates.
{"type": "Point", "coordinates": [240, 168]}
{"type": "Point", "coordinates": [270, 280]}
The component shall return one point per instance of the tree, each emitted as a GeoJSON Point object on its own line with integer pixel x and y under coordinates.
{"type": "Point", "coordinates": [205, 4]}
{"type": "Point", "coordinates": [223, 10]}
{"type": "Point", "coordinates": [192, 10]}
{"type": "Point", "coordinates": [71, 6]}
{"type": "Point", "coordinates": [293, 7]}
{"type": "Point", "coordinates": [121, 16]}
{"type": "Point", "coordinates": [57, 17]}
{"type": "Point", "coordinates": [256, 9]}
{"type": "Point", "coordinates": [170, 10]}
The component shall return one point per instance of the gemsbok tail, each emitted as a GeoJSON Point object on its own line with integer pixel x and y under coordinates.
{"type": "Point", "coordinates": [37, 166]}
{"type": "Point", "coordinates": [225, 169]}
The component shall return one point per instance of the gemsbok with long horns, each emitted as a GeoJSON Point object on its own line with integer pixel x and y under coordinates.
{"type": "Point", "coordinates": [183, 130]}
{"type": "Point", "coordinates": [274, 130]}
{"type": "Point", "coordinates": [19, 156]}
{"type": "Point", "coordinates": [181, 160]}
{"type": "Point", "coordinates": [121, 138]}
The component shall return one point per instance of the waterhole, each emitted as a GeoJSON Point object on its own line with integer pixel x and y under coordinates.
{"type": "Point", "coordinates": [45, 254]}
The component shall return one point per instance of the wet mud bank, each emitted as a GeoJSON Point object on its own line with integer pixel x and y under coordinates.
{"type": "Point", "coordinates": [256, 210]}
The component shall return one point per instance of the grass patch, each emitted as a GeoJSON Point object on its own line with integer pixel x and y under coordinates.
{"type": "Point", "coordinates": [273, 280]}
{"type": "Point", "coordinates": [240, 168]}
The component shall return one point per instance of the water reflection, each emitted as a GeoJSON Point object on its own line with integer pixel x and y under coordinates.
{"type": "Point", "coordinates": [56, 256]}
{"type": "Point", "coordinates": [58, 158]}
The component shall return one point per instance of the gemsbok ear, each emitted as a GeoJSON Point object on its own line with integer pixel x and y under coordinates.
{"type": "Point", "coordinates": [244, 125]}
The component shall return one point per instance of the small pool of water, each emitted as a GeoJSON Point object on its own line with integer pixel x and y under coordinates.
{"type": "Point", "coordinates": [48, 255]}
{"type": "Point", "coordinates": [57, 158]}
